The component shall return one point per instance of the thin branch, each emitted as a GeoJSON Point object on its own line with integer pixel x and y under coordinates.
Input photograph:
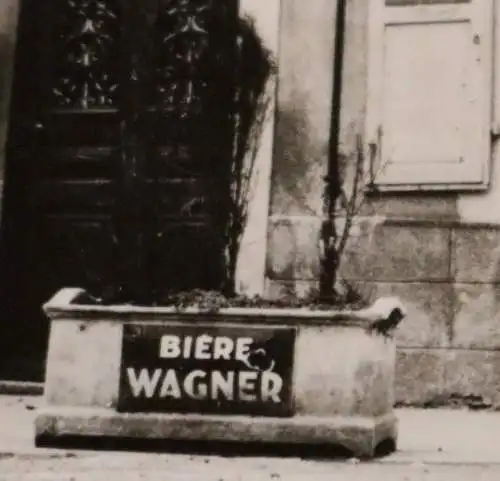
{"type": "Point", "coordinates": [358, 192]}
{"type": "Point", "coordinates": [351, 211]}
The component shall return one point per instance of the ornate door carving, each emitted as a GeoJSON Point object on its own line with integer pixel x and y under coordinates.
{"type": "Point", "coordinates": [121, 116]}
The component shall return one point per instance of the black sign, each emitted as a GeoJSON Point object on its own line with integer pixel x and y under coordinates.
{"type": "Point", "coordinates": [198, 369]}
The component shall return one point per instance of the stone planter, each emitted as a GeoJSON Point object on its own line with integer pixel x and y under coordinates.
{"type": "Point", "coordinates": [251, 375]}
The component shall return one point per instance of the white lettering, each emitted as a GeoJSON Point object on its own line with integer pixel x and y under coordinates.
{"type": "Point", "coordinates": [246, 383]}
{"type": "Point", "coordinates": [187, 352]}
{"type": "Point", "coordinates": [242, 348]}
{"type": "Point", "coordinates": [170, 347]}
{"type": "Point", "coordinates": [170, 386]}
{"type": "Point", "coordinates": [189, 385]}
{"type": "Point", "coordinates": [271, 385]}
{"type": "Point", "coordinates": [223, 347]}
{"type": "Point", "coordinates": [224, 385]}
{"type": "Point", "coordinates": [143, 382]}
{"type": "Point", "coordinates": [245, 386]}
{"type": "Point", "coordinates": [202, 349]}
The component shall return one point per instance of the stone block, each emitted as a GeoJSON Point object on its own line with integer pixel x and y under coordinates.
{"type": "Point", "coordinates": [420, 375]}
{"type": "Point", "coordinates": [430, 312]}
{"type": "Point", "coordinates": [473, 372]}
{"type": "Point", "coordinates": [424, 375]}
{"type": "Point", "coordinates": [476, 322]}
{"type": "Point", "coordinates": [475, 254]}
{"type": "Point", "coordinates": [397, 252]}
{"type": "Point", "coordinates": [442, 206]}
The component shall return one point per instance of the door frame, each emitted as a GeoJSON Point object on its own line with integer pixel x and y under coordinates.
{"type": "Point", "coordinates": [250, 271]}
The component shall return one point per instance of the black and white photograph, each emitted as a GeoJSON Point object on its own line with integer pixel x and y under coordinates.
{"type": "Point", "coordinates": [250, 240]}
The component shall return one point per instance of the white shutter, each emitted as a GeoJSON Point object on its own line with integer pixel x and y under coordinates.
{"type": "Point", "coordinates": [430, 92]}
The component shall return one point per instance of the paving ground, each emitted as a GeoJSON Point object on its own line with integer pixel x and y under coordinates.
{"type": "Point", "coordinates": [434, 445]}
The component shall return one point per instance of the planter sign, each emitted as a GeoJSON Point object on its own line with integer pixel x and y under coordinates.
{"type": "Point", "coordinates": [206, 369]}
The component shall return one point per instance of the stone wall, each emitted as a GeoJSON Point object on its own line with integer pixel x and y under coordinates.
{"type": "Point", "coordinates": [439, 252]}
{"type": "Point", "coordinates": [447, 273]}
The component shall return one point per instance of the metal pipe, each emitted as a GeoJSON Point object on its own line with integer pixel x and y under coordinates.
{"type": "Point", "coordinates": [333, 180]}
{"type": "Point", "coordinates": [329, 234]}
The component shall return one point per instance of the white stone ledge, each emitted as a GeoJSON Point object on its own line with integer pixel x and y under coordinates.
{"type": "Point", "coordinates": [382, 309]}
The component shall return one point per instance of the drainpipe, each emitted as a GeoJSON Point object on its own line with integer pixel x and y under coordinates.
{"type": "Point", "coordinates": [329, 234]}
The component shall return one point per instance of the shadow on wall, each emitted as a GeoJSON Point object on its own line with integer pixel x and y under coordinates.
{"type": "Point", "coordinates": [282, 251]}
{"type": "Point", "coordinates": [300, 160]}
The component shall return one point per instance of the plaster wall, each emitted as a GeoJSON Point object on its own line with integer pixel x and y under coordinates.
{"type": "Point", "coordinates": [438, 251]}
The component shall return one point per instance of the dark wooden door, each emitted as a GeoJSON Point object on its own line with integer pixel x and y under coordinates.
{"type": "Point", "coordinates": [120, 140]}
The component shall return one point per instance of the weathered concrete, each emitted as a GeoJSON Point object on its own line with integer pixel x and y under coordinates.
{"type": "Point", "coordinates": [332, 377]}
{"type": "Point", "coordinates": [415, 206]}
{"type": "Point", "coordinates": [419, 375]}
{"type": "Point", "coordinates": [475, 253]}
{"type": "Point", "coordinates": [473, 372]}
{"type": "Point", "coordinates": [476, 322]}
{"type": "Point", "coordinates": [361, 436]}
{"type": "Point", "coordinates": [433, 375]}
{"type": "Point", "coordinates": [343, 377]}
{"type": "Point", "coordinates": [398, 252]}
{"type": "Point", "coordinates": [83, 363]}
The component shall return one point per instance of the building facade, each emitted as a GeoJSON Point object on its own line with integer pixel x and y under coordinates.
{"type": "Point", "coordinates": [421, 91]}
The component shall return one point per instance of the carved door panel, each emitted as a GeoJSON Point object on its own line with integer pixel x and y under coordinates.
{"type": "Point", "coordinates": [82, 173]}
{"type": "Point", "coordinates": [187, 166]}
